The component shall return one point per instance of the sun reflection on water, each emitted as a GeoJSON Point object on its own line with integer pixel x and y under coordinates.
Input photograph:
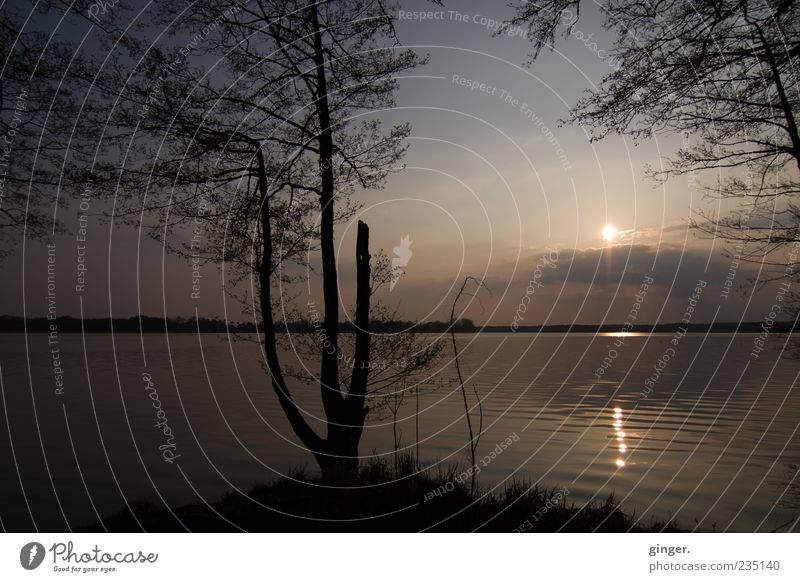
{"type": "Point", "coordinates": [620, 436]}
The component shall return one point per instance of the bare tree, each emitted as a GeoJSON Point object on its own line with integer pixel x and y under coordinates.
{"type": "Point", "coordinates": [474, 439]}
{"type": "Point", "coordinates": [265, 147]}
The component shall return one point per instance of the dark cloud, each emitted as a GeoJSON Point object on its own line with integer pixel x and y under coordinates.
{"type": "Point", "coordinates": [600, 284]}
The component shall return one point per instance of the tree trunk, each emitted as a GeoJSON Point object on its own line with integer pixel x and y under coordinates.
{"type": "Point", "coordinates": [332, 398]}
{"type": "Point", "coordinates": [337, 455]}
{"type": "Point", "coordinates": [301, 428]}
{"type": "Point", "coordinates": [345, 414]}
{"type": "Point", "coordinates": [343, 437]}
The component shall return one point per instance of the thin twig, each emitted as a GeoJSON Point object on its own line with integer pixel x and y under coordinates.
{"type": "Point", "coordinates": [473, 444]}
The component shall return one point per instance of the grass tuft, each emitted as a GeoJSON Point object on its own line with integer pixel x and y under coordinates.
{"type": "Point", "coordinates": [382, 499]}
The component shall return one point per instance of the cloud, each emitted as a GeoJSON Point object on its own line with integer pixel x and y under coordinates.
{"type": "Point", "coordinates": [600, 285]}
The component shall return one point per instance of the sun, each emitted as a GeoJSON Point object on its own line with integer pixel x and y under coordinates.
{"type": "Point", "coordinates": [609, 233]}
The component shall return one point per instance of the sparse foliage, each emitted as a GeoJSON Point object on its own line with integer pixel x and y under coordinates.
{"type": "Point", "coordinates": [724, 75]}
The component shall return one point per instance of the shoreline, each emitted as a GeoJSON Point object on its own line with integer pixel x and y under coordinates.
{"type": "Point", "coordinates": [404, 499]}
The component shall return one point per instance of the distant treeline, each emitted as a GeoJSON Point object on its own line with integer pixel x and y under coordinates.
{"type": "Point", "coordinates": [146, 324]}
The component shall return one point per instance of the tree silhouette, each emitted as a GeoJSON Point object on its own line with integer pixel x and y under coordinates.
{"type": "Point", "coordinates": [256, 124]}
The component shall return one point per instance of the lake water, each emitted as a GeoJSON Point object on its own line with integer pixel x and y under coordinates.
{"type": "Point", "coordinates": [713, 442]}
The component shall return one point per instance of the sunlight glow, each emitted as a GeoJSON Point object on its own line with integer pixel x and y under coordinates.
{"type": "Point", "coordinates": [620, 463]}
{"type": "Point", "coordinates": [609, 233]}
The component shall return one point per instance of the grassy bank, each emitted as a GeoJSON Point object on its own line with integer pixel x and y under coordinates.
{"type": "Point", "coordinates": [383, 500]}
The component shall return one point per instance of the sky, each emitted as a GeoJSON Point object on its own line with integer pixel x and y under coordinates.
{"type": "Point", "coordinates": [495, 187]}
